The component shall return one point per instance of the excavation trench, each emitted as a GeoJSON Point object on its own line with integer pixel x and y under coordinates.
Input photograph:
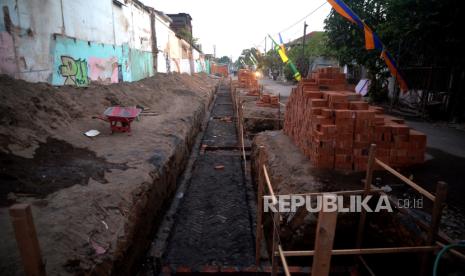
{"type": "Point", "coordinates": [210, 222]}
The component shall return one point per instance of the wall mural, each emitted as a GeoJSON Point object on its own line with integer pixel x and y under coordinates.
{"type": "Point", "coordinates": [74, 71]}
{"type": "Point", "coordinates": [104, 70]}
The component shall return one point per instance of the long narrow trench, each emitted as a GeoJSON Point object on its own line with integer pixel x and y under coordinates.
{"type": "Point", "coordinates": [212, 226]}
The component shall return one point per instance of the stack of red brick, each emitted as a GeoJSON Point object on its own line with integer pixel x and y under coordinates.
{"type": "Point", "coordinates": [247, 79]}
{"type": "Point", "coordinates": [335, 128]}
{"type": "Point", "coordinates": [268, 100]}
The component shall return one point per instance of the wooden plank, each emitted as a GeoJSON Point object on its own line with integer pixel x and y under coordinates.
{"type": "Point", "coordinates": [268, 184]}
{"type": "Point", "coordinates": [365, 251]}
{"type": "Point", "coordinates": [406, 180]}
{"type": "Point", "coordinates": [274, 247]}
{"type": "Point", "coordinates": [259, 230]}
{"type": "Point", "coordinates": [26, 238]}
{"type": "Point", "coordinates": [436, 214]}
{"type": "Point", "coordinates": [441, 195]}
{"type": "Point", "coordinates": [373, 190]}
{"type": "Point", "coordinates": [283, 261]}
{"type": "Point", "coordinates": [325, 230]}
{"type": "Point", "coordinates": [368, 182]}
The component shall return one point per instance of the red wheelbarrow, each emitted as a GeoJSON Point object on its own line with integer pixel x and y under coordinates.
{"type": "Point", "coordinates": [120, 118]}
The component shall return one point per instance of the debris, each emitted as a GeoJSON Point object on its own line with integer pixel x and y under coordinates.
{"type": "Point", "coordinates": [227, 119]}
{"type": "Point", "coordinates": [99, 250]}
{"type": "Point", "coordinates": [203, 148]}
{"type": "Point", "coordinates": [219, 167]}
{"type": "Point", "coordinates": [92, 133]}
{"type": "Point", "coordinates": [386, 188]}
{"type": "Point", "coordinates": [105, 224]}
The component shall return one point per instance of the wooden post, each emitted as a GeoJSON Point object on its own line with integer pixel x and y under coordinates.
{"type": "Point", "coordinates": [436, 214]}
{"type": "Point", "coordinates": [441, 195]}
{"type": "Point", "coordinates": [368, 181]}
{"type": "Point", "coordinates": [274, 248]}
{"type": "Point", "coordinates": [26, 238]}
{"type": "Point", "coordinates": [259, 230]}
{"type": "Point", "coordinates": [324, 239]}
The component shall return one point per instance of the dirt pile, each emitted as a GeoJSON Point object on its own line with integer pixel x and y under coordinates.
{"type": "Point", "coordinates": [30, 113]}
{"type": "Point", "coordinates": [89, 194]}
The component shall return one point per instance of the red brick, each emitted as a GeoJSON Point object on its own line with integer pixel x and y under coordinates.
{"type": "Point", "coordinates": [359, 105]}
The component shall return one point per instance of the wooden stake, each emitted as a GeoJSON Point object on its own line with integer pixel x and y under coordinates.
{"type": "Point", "coordinates": [26, 238]}
{"type": "Point", "coordinates": [274, 248]}
{"type": "Point", "coordinates": [259, 230]}
{"type": "Point", "coordinates": [368, 181]}
{"type": "Point", "coordinates": [436, 214]}
{"type": "Point", "coordinates": [325, 230]}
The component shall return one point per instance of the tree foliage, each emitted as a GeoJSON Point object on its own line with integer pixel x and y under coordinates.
{"type": "Point", "coordinates": [416, 33]}
{"type": "Point", "coordinates": [315, 46]}
{"type": "Point", "coordinates": [224, 60]}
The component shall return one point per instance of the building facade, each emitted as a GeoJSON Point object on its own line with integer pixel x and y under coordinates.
{"type": "Point", "coordinates": [65, 42]}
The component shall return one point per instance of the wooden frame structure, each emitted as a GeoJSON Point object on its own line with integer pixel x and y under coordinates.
{"type": "Point", "coordinates": [327, 223]}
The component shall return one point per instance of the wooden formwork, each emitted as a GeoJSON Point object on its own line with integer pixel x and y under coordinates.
{"type": "Point", "coordinates": [327, 223]}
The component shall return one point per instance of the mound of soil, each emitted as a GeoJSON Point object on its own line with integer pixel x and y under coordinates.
{"type": "Point", "coordinates": [92, 193]}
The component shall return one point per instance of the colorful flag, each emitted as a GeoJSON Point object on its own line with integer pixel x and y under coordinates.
{"type": "Point", "coordinates": [391, 64]}
{"type": "Point", "coordinates": [372, 40]}
{"type": "Point", "coordinates": [286, 60]}
{"type": "Point", "coordinates": [282, 43]}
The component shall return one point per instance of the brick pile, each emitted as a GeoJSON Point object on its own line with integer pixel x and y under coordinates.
{"type": "Point", "coordinates": [334, 127]}
{"type": "Point", "coordinates": [268, 100]}
{"type": "Point", "coordinates": [247, 79]}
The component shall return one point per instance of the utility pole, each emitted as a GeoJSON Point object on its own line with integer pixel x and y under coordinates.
{"type": "Point", "coordinates": [214, 51]}
{"type": "Point", "coordinates": [265, 45]}
{"type": "Point", "coordinates": [303, 39]}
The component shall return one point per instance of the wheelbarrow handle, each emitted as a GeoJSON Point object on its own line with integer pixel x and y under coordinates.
{"type": "Point", "coordinates": [100, 118]}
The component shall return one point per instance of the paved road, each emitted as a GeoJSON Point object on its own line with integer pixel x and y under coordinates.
{"type": "Point", "coordinates": [277, 87]}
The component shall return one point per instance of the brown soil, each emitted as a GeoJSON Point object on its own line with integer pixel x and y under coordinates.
{"type": "Point", "coordinates": [109, 190]}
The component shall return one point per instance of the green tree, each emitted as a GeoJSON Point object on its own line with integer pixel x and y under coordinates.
{"type": "Point", "coordinates": [316, 46]}
{"type": "Point", "coordinates": [424, 33]}
{"type": "Point", "coordinates": [347, 43]}
{"type": "Point", "coordinates": [224, 60]}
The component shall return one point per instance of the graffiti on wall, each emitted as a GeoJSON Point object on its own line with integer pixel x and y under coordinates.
{"type": "Point", "coordinates": [74, 71]}
{"type": "Point", "coordinates": [104, 70]}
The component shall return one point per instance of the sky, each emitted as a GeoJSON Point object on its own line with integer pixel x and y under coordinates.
{"type": "Point", "coordinates": [241, 24]}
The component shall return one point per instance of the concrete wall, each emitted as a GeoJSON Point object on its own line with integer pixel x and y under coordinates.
{"type": "Point", "coordinates": [75, 42]}
{"type": "Point", "coordinates": [175, 54]}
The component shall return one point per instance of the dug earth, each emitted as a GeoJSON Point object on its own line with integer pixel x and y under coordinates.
{"type": "Point", "coordinates": [95, 201]}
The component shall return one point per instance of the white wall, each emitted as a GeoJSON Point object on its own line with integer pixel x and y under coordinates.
{"type": "Point", "coordinates": [34, 22]}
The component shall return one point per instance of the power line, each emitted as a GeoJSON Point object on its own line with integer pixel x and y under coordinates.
{"type": "Point", "coordinates": [259, 44]}
{"type": "Point", "coordinates": [303, 18]}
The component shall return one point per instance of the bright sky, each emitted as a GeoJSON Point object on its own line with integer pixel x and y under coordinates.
{"type": "Point", "coordinates": [240, 24]}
